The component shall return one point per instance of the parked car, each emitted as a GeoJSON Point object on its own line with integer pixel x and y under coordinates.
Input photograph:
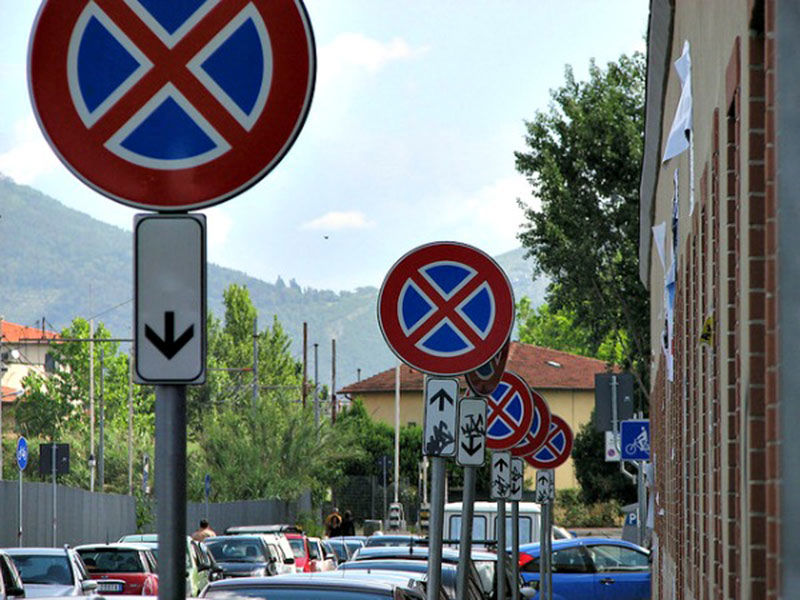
{"type": "Point", "coordinates": [394, 540]}
{"type": "Point", "coordinates": [121, 568]}
{"type": "Point", "coordinates": [321, 556]}
{"type": "Point", "coordinates": [342, 550]}
{"type": "Point", "coordinates": [300, 549]}
{"type": "Point", "coordinates": [245, 555]}
{"type": "Point", "coordinates": [52, 572]}
{"type": "Point", "coordinates": [11, 585]}
{"type": "Point", "coordinates": [199, 570]}
{"type": "Point", "coordinates": [592, 568]}
{"type": "Point", "coordinates": [286, 564]}
{"type": "Point", "coordinates": [320, 586]}
{"type": "Point", "coordinates": [273, 528]}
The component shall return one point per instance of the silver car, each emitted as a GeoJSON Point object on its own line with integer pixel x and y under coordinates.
{"type": "Point", "coordinates": [52, 572]}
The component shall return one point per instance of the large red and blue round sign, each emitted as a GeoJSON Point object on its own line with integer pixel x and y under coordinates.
{"type": "Point", "coordinates": [540, 427]}
{"type": "Point", "coordinates": [446, 308]}
{"type": "Point", "coordinates": [556, 448]}
{"type": "Point", "coordinates": [510, 412]}
{"type": "Point", "coordinates": [171, 104]}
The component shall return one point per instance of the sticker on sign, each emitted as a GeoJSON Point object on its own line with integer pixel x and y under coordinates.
{"type": "Point", "coordinates": [471, 432]}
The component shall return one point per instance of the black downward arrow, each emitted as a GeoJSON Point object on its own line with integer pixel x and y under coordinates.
{"type": "Point", "coordinates": [473, 448]}
{"type": "Point", "coordinates": [169, 346]}
{"type": "Point", "coordinates": [441, 397]}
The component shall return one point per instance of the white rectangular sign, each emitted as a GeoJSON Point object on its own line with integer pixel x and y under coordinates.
{"type": "Point", "coordinates": [170, 298]}
{"type": "Point", "coordinates": [545, 486]}
{"type": "Point", "coordinates": [501, 476]}
{"type": "Point", "coordinates": [517, 479]}
{"type": "Point", "coordinates": [439, 435]}
{"type": "Point", "coordinates": [612, 452]}
{"type": "Point", "coordinates": [471, 432]}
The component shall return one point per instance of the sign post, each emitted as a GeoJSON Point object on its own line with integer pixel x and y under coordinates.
{"type": "Point", "coordinates": [545, 494]}
{"type": "Point", "coordinates": [471, 455]}
{"type": "Point", "coordinates": [207, 490]}
{"type": "Point", "coordinates": [501, 491]}
{"type": "Point", "coordinates": [22, 462]}
{"type": "Point", "coordinates": [517, 483]}
{"type": "Point", "coordinates": [635, 446]}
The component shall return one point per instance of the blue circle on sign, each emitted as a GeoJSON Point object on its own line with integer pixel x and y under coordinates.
{"type": "Point", "coordinates": [22, 453]}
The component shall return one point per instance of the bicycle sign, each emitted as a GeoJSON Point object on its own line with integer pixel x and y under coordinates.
{"type": "Point", "coordinates": [635, 440]}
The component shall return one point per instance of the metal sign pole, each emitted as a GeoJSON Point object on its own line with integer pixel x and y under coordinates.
{"type": "Point", "coordinates": [501, 549]}
{"type": "Point", "coordinates": [55, 494]}
{"type": "Point", "coordinates": [465, 541]}
{"type": "Point", "coordinates": [515, 550]}
{"type": "Point", "coordinates": [543, 533]}
{"type": "Point", "coordinates": [171, 490]}
{"type": "Point", "coordinates": [549, 554]}
{"type": "Point", "coordinates": [19, 531]}
{"type": "Point", "coordinates": [642, 499]}
{"type": "Point", "coordinates": [435, 530]}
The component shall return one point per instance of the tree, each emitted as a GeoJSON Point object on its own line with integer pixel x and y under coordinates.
{"type": "Point", "coordinates": [599, 480]}
{"type": "Point", "coordinates": [582, 160]}
{"type": "Point", "coordinates": [557, 329]}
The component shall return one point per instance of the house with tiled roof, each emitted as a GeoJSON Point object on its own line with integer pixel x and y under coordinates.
{"type": "Point", "coordinates": [22, 349]}
{"type": "Point", "coordinates": [564, 380]}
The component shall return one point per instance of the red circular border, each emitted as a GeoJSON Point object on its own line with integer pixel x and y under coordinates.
{"type": "Point", "coordinates": [484, 387]}
{"type": "Point", "coordinates": [517, 383]}
{"type": "Point", "coordinates": [560, 424]}
{"type": "Point", "coordinates": [253, 154]}
{"type": "Point", "coordinates": [410, 263]}
{"type": "Point", "coordinates": [530, 444]}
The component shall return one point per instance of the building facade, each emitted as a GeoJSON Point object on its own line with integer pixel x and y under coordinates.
{"type": "Point", "coordinates": [718, 217]}
{"type": "Point", "coordinates": [565, 381]}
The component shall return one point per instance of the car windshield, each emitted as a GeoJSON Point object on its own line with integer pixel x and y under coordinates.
{"type": "Point", "coordinates": [111, 560]}
{"type": "Point", "coordinates": [298, 547]}
{"type": "Point", "coordinates": [295, 593]}
{"type": "Point", "coordinates": [39, 568]}
{"type": "Point", "coordinates": [340, 548]}
{"type": "Point", "coordinates": [236, 550]}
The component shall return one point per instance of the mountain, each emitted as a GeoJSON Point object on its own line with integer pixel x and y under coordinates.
{"type": "Point", "coordinates": [59, 263]}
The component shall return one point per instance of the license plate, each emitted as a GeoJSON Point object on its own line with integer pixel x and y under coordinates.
{"type": "Point", "coordinates": [109, 587]}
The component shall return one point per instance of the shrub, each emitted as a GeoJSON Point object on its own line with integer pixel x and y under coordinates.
{"type": "Point", "coordinates": [570, 511]}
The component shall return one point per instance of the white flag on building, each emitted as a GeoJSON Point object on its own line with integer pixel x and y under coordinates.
{"type": "Point", "coordinates": [678, 139]}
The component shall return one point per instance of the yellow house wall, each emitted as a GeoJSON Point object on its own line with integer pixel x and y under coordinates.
{"type": "Point", "coordinates": [574, 406]}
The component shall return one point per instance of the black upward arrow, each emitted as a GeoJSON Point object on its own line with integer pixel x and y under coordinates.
{"type": "Point", "coordinates": [169, 346]}
{"type": "Point", "coordinates": [501, 464]}
{"type": "Point", "coordinates": [441, 397]}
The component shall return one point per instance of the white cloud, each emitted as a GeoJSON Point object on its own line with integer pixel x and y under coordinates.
{"type": "Point", "coordinates": [334, 221]}
{"type": "Point", "coordinates": [219, 225]}
{"type": "Point", "coordinates": [357, 52]}
{"type": "Point", "coordinates": [30, 156]}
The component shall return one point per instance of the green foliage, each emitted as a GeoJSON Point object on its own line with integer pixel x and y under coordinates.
{"type": "Point", "coordinates": [599, 480]}
{"type": "Point", "coordinates": [570, 510]}
{"type": "Point", "coordinates": [583, 161]}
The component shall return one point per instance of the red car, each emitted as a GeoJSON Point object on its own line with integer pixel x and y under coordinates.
{"type": "Point", "coordinates": [299, 544]}
{"type": "Point", "coordinates": [121, 568]}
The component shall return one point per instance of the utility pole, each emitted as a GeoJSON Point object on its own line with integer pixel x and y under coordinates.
{"type": "Point", "coordinates": [130, 422]}
{"type": "Point", "coordinates": [101, 452]}
{"type": "Point", "coordinates": [333, 381]}
{"type": "Point", "coordinates": [305, 362]}
{"type": "Point", "coordinates": [255, 361]}
{"type": "Point", "coordinates": [92, 460]}
{"type": "Point", "coordinates": [316, 388]}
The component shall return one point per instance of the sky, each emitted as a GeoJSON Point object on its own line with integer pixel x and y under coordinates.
{"type": "Point", "coordinates": [418, 109]}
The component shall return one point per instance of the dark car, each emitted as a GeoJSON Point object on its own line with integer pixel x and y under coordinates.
{"type": "Point", "coordinates": [52, 572]}
{"type": "Point", "coordinates": [394, 540]}
{"type": "Point", "coordinates": [320, 586]}
{"type": "Point", "coordinates": [242, 555]}
{"type": "Point", "coordinates": [592, 568]}
{"type": "Point", "coordinates": [11, 585]}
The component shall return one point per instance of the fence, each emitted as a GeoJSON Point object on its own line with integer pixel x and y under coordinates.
{"type": "Point", "coordinates": [246, 512]}
{"type": "Point", "coordinates": [366, 498]}
{"type": "Point", "coordinates": [81, 516]}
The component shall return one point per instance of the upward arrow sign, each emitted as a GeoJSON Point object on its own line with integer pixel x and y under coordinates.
{"type": "Point", "coordinates": [501, 465]}
{"type": "Point", "coordinates": [441, 397]}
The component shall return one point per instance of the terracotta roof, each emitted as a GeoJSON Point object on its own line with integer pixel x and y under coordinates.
{"type": "Point", "coordinates": [540, 367]}
{"type": "Point", "coordinates": [9, 395]}
{"type": "Point", "coordinates": [12, 332]}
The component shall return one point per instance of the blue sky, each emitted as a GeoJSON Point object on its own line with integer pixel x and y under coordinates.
{"type": "Point", "coordinates": [418, 109]}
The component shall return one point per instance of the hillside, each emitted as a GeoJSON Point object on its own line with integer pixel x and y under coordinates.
{"type": "Point", "coordinates": [59, 263]}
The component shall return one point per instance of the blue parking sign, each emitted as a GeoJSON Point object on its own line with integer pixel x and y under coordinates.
{"type": "Point", "coordinates": [635, 440]}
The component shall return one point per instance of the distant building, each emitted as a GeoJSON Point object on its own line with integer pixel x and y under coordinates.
{"type": "Point", "coordinates": [565, 381]}
{"type": "Point", "coordinates": [22, 350]}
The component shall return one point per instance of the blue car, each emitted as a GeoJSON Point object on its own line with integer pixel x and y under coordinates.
{"type": "Point", "coordinates": [592, 568]}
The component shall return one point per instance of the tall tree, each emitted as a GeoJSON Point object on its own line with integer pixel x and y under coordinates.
{"type": "Point", "coordinates": [583, 160]}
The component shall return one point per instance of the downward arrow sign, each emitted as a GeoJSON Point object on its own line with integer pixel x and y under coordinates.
{"type": "Point", "coordinates": [169, 346]}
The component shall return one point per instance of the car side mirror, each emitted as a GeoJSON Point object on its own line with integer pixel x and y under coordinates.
{"type": "Point", "coordinates": [527, 592]}
{"type": "Point", "coordinates": [288, 561]}
{"type": "Point", "coordinates": [88, 585]}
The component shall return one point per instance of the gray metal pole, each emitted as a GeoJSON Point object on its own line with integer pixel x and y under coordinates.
{"type": "Point", "coordinates": [397, 432]}
{"type": "Point", "coordinates": [91, 406]}
{"type": "Point", "coordinates": [19, 532]}
{"type": "Point", "coordinates": [55, 493]}
{"type": "Point", "coordinates": [171, 490]}
{"type": "Point", "coordinates": [642, 498]}
{"type": "Point", "coordinates": [255, 366]}
{"type": "Point", "coordinates": [316, 387]}
{"type": "Point", "coordinates": [435, 529]}
{"type": "Point", "coordinates": [465, 540]}
{"type": "Point", "coordinates": [515, 550]}
{"type": "Point", "coordinates": [130, 422]}
{"type": "Point", "coordinates": [501, 549]}
{"type": "Point", "coordinates": [544, 532]}
{"type": "Point", "coordinates": [549, 554]}
{"type": "Point", "coordinates": [101, 449]}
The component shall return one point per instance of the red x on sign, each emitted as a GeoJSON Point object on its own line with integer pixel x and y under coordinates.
{"type": "Point", "coordinates": [511, 412]}
{"type": "Point", "coordinates": [171, 105]}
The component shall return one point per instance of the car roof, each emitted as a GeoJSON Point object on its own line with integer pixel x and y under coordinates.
{"type": "Point", "coordinates": [321, 580]}
{"type": "Point", "coordinates": [409, 552]}
{"type": "Point", "coordinates": [533, 548]}
{"type": "Point", "coordinates": [273, 528]}
{"type": "Point", "coordinates": [38, 550]}
{"type": "Point", "coordinates": [392, 564]}
{"type": "Point", "coordinates": [225, 538]}
{"type": "Point", "coordinates": [114, 546]}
